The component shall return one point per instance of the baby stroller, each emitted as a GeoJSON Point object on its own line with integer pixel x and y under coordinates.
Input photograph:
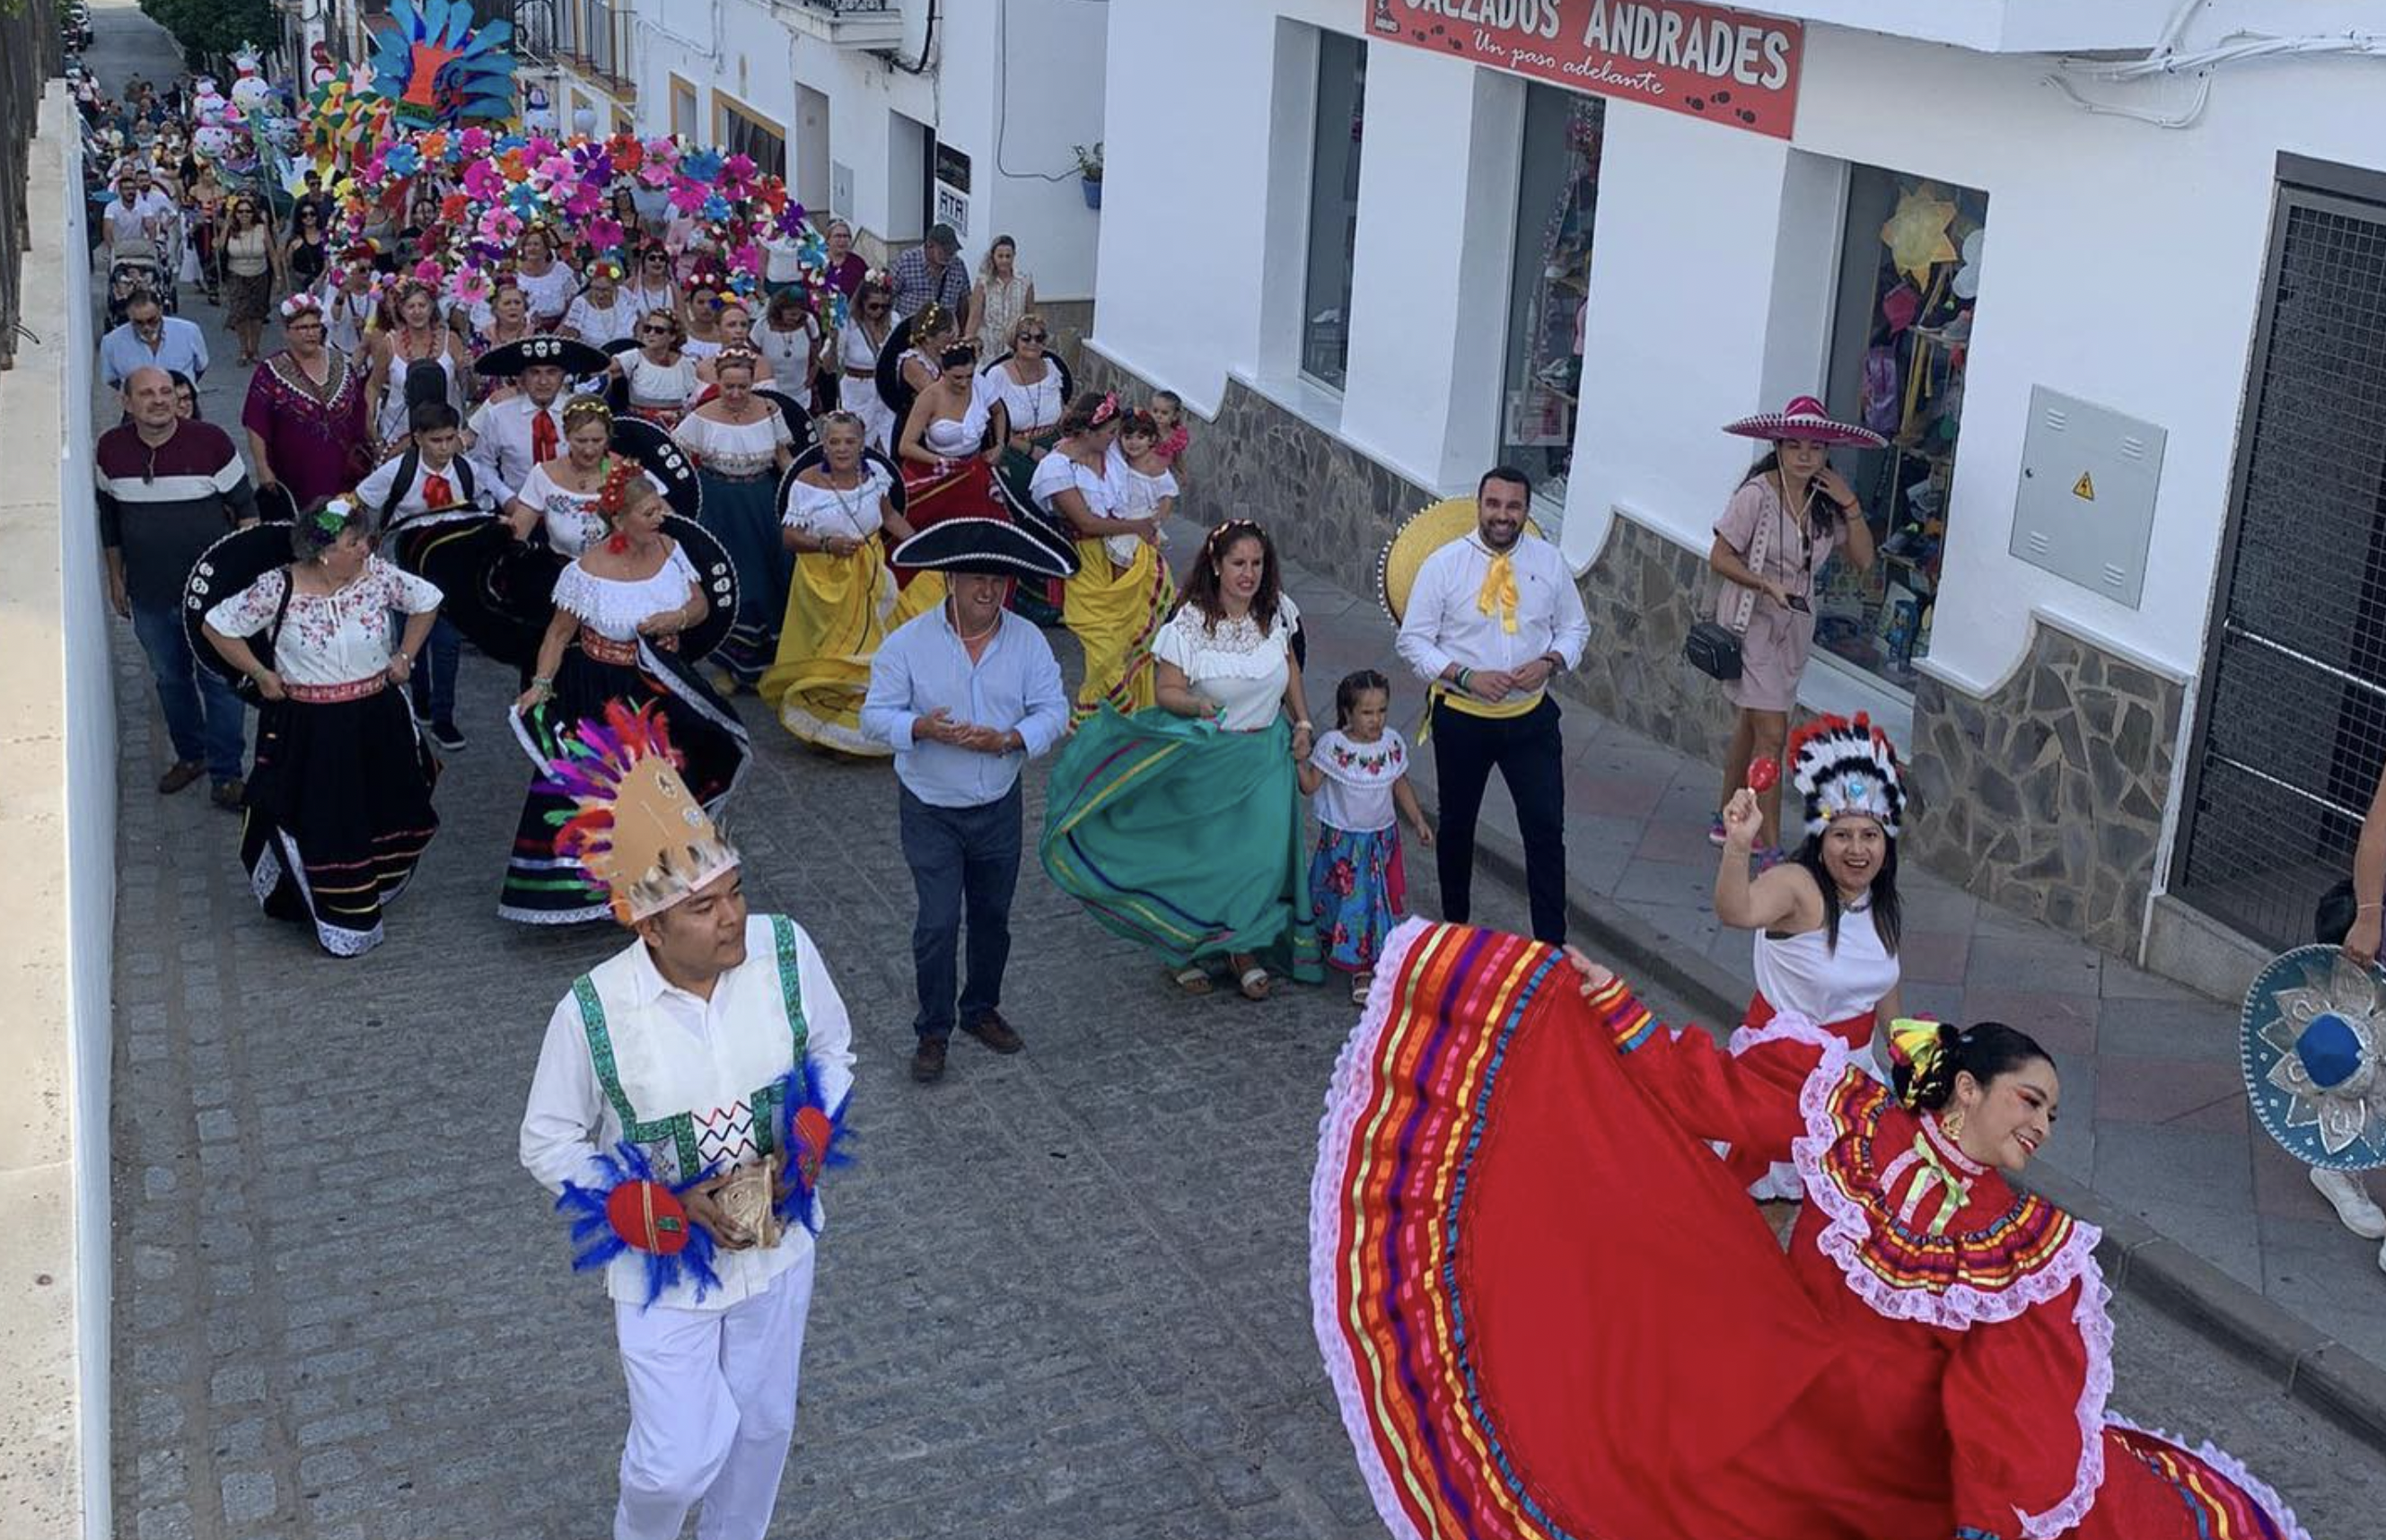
{"type": "Point", "coordinates": [138, 267]}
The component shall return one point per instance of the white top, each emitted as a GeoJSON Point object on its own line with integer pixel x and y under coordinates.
{"type": "Point", "coordinates": [822, 510]}
{"type": "Point", "coordinates": [327, 638]}
{"type": "Point", "coordinates": [1055, 474]}
{"type": "Point", "coordinates": [854, 348]}
{"type": "Point", "coordinates": [1233, 664]}
{"type": "Point", "coordinates": [345, 315]}
{"type": "Point", "coordinates": [782, 260]}
{"type": "Point", "coordinates": [572, 522]}
{"type": "Point", "coordinates": [1446, 623]}
{"type": "Point", "coordinates": [414, 499]}
{"type": "Point", "coordinates": [957, 437]}
{"type": "Point", "coordinates": [615, 607]}
{"type": "Point", "coordinates": [734, 448]}
{"type": "Point", "coordinates": [1032, 408]}
{"type": "Point", "coordinates": [701, 347]}
{"type": "Point", "coordinates": [928, 363]}
{"type": "Point", "coordinates": [788, 353]}
{"type": "Point", "coordinates": [598, 326]}
{"type": "Point", "coordinates": [501, 435]}
{"type": "Point", "coordinates": [394, 421]}
{"type": "Point", "coordinates": [550, 292]}
{"type": "Point", "coordinates": [677, 1052]}
{"type": "Point", "coordinates": [1799, 973]}
{"type": "Point", "coordinates": [654, 384]}
{"type": "Point", "coordinates": [644, 302]}
{"type": "Point", "coordinates": [1137, 496]}
{"type": "Point", "coordinates": [1356, 795]}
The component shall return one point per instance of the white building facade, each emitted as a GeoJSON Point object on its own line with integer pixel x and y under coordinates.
{"type": "Point", "coordinates": [893, 115]}
{"type": "Point", "coordinates": [2128, 337]}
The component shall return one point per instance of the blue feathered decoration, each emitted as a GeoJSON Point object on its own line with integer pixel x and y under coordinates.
{"type": "Point", "coordinates": [654, 1222]}
{"type": "Point", "coordinates": [810, 1133]}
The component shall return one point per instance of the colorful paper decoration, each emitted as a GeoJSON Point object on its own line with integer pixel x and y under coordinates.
{"type": "Point", "coordinates": [1916, 234]}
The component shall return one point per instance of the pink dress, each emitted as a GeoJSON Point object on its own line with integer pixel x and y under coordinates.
{"type": "Point", "coordinates": [1773, 642]}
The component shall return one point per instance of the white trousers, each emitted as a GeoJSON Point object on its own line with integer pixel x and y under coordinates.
{"type": "Point", "coordinates": [713, 1410]}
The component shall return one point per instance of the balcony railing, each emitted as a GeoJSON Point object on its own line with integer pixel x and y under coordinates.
{"type": "Point", "coordinates": [850, 23]}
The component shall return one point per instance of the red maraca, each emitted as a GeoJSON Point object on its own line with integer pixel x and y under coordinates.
{"type": "Point", "coordinates": [1764, 775]}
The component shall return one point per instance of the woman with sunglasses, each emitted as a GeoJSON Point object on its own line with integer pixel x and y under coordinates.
{"type": "Point", "coordinates": [308, 251]}
{"type": "Point", "coordinates": [306, 412]}
{"type": "Point", "coordinates": [653, 286]}
{"type": "Point", "coordinates": [250, 260]}
{"type": "Point", "coordinates": [870, 318]}
{"type": "Point", "coordinates": [660, 375]}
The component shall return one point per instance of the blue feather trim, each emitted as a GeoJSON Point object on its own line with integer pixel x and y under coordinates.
{"type": "Point", "coordinates": [799, 1089]}
{"type": "Point", "coordinates": [595, 1244]}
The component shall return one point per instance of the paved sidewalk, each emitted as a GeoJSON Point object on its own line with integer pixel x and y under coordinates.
{"type": "Point", "coordinates": [2155, 1114]}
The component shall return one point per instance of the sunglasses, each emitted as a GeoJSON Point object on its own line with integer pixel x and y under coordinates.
{"type": "Point", "coordinates": [1033, 336]}
{"type": "Point", "coordinates": [654, 331]}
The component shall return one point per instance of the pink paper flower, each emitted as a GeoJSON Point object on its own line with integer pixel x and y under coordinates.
{"type": "Point", "coordinates": [482, 181]}
{"type": "Point", "coordinates": [473, 144]}
{"type": "Point", "coordinates": [500, 227]}
{"type": "Point", "coordinates": [605, 233]}
{"type": "Point", "coordinates": [689, 196]}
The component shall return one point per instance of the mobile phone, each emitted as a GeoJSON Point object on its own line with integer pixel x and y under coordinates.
{"type": "Point", "coordinates": [1798, 603]}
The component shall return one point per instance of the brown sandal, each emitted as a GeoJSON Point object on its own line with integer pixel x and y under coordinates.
{"type": "Point", "coordinates": [1250, 979]}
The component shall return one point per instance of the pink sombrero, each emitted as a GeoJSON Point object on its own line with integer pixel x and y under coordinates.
{"type": "Point", "coordinates": [1804, 419]}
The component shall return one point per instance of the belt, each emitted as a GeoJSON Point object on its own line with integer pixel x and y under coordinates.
{"type": "Point", "coordinates": [852, 373]}
{"type": "Point", "coordinates": [604, 649]}
{"type": "Point", "coordinates": [330, 694]}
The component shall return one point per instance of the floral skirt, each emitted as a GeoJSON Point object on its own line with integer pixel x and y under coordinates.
{"type": "Point", "coordinates": [1360, 889]}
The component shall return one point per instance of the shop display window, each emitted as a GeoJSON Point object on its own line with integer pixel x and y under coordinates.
{"type": "Point", "coordinates": [1909, 274]}
{"type": "Point", "coordinates": [1334, 206]}
{"type": "Point", "coordinates": [1557, 200]}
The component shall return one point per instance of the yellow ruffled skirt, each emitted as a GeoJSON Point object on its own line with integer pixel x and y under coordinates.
{"type": "Point", "coordinates": [1114, 615]}
{"type": "Point", "coordinates": [839, 609]}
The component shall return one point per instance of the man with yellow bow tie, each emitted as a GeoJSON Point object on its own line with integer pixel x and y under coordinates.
{"type": "Point", "coordinates": [1490, 617]}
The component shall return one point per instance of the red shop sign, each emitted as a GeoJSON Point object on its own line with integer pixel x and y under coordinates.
{"type": "Point", "coordinates": [1733, 68]}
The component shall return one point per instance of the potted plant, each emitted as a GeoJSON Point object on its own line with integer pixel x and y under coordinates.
{"type": "Point", "coordinates": [1089, 173]}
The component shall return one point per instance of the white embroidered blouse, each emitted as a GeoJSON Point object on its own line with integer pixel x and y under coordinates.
{"type": "Point", "coordinates": [824, 510]}
{"type": "Point", "coordinates": [571, 519]}
{"type": "Point", "coordinates": [615, 607]}
{"type": "Point", "coordinates": [327, 638]}
{"type": "Point", "coordinates": [734, 448]}
{"type": "Point", "coordinates": [1234, 663]}
{"type": "Point", "coordinates": [1356, 795]}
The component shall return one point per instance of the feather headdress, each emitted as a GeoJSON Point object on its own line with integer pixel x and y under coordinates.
{"type": "Point", "coordinates": [640, 833]}
{"type": "Point", "coordinates": [1842, 766]}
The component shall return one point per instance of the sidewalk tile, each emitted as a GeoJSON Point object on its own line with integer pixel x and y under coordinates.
{"type": "Point", "coordinates": [1933, 956]}
{"type": "Point", "coordinates": [2191, 1028]}
{"type": "Point", "coordinates": [2064, 1024]}
{"type": "Point", "coordinates": [2178, 1091]}
{"type": "Point", "coordinates": [2049, 964]}
{"type": "Point", "coordinates": [1691, 884]}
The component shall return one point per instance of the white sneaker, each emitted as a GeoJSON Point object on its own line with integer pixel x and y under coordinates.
{"type": "Point", "coordinates": [2353, 1207]}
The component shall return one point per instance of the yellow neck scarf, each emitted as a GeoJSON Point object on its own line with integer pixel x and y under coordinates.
{"type": "Point", "coordinates": [1936, 1171]}
{"type": "Point", "coordinates": [1498, 591]}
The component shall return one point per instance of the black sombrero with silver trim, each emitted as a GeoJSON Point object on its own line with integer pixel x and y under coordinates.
{"type": "Point", "coordinates": [993, 547]}
{"type": "Point", "coordinates": [575, 358]}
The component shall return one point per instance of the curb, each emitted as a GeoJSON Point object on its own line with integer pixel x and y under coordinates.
{"type": "Point", "coordinates": [2312, 1367]}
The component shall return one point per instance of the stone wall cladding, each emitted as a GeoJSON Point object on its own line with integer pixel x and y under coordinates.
{"type": "Point", "coordinates": [2047, 798]}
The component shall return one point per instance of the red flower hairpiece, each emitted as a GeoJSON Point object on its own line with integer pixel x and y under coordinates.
{"type": "Point", "coordinates": [1108, 409]}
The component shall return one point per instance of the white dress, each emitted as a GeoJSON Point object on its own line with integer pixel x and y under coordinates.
{"type": "Point", "coordinates": [1356, 794]}
{"type": "Point", "coordinates": [1232, 662]}
{"type": "Point", "coordinates": [616, 608]}
{"type": "Point", "coordinates": [328, 639]}
{"type": "Point", "coordinates": [598, 326]}
{"type": "Point", "coordinates": [1137, 496]}
{"type": "Point", "coordinates": [823, 511]}
{"type": "Point", "coordinates": [858, 394]}
{"type": "Point", "coordinates": [1032, 408]}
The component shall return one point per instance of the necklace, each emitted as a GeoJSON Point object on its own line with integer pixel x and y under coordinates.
{"type": "Point", "coordinates": [1855, 906]}
{"type": "Point", "coordinates": [966, 638]}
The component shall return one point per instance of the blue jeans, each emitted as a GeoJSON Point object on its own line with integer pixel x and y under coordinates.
{"type": "Point", "coordinates": [433, 683]}
{"type": "Point", "coordinates": [961, 857]}
{"type": "Point", "coordinates": [205, 719]}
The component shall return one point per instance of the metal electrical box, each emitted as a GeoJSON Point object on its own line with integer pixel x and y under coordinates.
{"type": "Point", "coordinates": [2085, 510]}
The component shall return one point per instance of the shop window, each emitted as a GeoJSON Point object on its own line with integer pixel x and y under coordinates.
{"type": "Point", "coordinates": [1909, 273]}
{"type": "Point", "coordinates": [738, 130]}
{"type": "Point", "coordinates": [1549, 296]}
{"type": "Point", "coordinates": [1334, 206]}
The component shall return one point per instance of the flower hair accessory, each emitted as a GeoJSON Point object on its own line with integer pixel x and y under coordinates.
{"type": "Point", "coordinates": [1843, 769]}
{"type": "Point", "coordinates": [1920, 1046]}
{"type": "Point", "coordinates": [1107, 409]}
{"type": "Point", "coordinates": [612, 496]}
{"type": "Point", "coordinates": [301, 305]}
{"type": "Point", "coordinates": [1231, 529]}
{"type": "Point", "coordinates": [332, 517]}
{"type": "Point", "coordinates": [605, 266]}
{"type": "Point", "coordinates": [584, 407]}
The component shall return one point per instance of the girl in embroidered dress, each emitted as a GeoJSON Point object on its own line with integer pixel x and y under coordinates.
{"type": "Point", "coordinates": [1514, 1200]}
{"type": "Point", "coordinates": [339, 800]}
{"type": "Point", "coordinates": [1140, 478]}
{"type": "Point", "coordinates": [1359, 773]}
{"type": "Point", "coordinates": [620, 608]}
{"type": "Point", "coordinates": [1826, 921]}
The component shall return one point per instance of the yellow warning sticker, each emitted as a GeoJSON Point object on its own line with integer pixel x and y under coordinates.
{"type": "Point", "coordinates": [2085, 488]}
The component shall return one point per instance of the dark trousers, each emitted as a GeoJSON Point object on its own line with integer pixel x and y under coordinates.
{"type": "Point", "coordinates": [203, 719]}
{"type": "Point", "coordinates": [961, 859]}
{"type": "Point", "coordinates": [1529, 753]}
{"type": "Point", "coordinates": [432, 682]}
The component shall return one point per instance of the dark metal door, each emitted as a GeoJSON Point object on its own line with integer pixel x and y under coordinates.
{"type": "Point", "coordinates": [2292, 727]}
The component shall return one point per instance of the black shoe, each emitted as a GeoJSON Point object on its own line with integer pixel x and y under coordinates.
{"type": "Point", "coordinates": [230, 795]}
{"type": "Point", "coordinates": [928, 1061]}
{"type": "Point", "coordinates": [446, 734]}
{"type": "Point", "coordinates": [995, 1032]}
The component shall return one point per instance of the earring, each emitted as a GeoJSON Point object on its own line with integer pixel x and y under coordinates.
{"type": "Point", "coordinates": [1953, 1123]}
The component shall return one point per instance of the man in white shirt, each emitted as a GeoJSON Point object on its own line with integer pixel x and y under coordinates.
{"type": "Point", "coordinates": [517, 429]}
{"type": "Point", "coordinates": [137, 213]}
{"type": "Point", "coordinates": [688, 1094]}
{"type": "Point", "coordinates": [1491, 617]}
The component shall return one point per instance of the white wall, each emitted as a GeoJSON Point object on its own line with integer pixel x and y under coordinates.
{"type": "Point", "coordinates": [1016, 83]}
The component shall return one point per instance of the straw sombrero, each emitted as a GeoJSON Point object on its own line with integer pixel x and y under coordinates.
{"type": "Point", "coordinates": [1804, 419]}
{"type": "Point", "coordinates": [1425, 532]}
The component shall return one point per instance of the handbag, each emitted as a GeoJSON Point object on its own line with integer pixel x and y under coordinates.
{"type": "Point", "coordinates": [1713, 648]}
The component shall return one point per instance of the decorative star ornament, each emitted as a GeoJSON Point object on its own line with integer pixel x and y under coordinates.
{"type": "Point", "coordinates": [1916, 235]}
{"type": "Point", "coordinates": [2315, 1029]}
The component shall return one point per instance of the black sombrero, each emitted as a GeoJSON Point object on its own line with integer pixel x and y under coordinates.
{"type": "Point", "coordinates": [899, 494]}
{"type": "Point", "coordinates": [799, 419]}
{"type": "Point", "coordinates": [889, 373]}
{"type": "Point", "coordinates": [717, 576]}
{"type": "Point", "coordinates": [652, 446]}
{"type": "Point", "coordinates": [994, 547]}
{"type": "Point", "coordinates": [222, 570]}
{"type": "Point", "coordinates": [1012, 480]}
{"type": "Point", "coordinates": [575, 358]}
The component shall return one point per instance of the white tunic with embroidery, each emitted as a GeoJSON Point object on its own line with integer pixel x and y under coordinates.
{"type": "Point", "coordinates": [616, 608]}
{"type": "Point", "coordinates": [1356, 795]}
{"type": "Point", "coordinates": [696, 1080]}
{"type": "Point", "coordinates": [327, 638]}
{"type": "Point", "coordinates": [827, 511]}
{"type": "Point", "coordinates": [1233, 663]}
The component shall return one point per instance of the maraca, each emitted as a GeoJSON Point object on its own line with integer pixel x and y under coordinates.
{"type": "Point", "coordinates": [1764, 775]}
